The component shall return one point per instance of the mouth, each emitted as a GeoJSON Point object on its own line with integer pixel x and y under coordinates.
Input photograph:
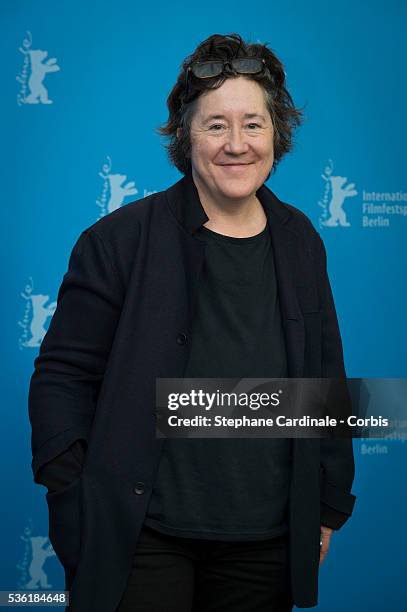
{"type": "Point", "coordinates": [237, 165]}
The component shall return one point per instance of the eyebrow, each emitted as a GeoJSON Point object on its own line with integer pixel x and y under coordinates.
{"type": "Point", "coordinates": [246, 116]}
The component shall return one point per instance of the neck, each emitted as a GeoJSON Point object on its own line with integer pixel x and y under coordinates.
{"type": "Point", "coordinates": [240, 217]}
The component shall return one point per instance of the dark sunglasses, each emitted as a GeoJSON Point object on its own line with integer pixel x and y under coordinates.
{"type": "Point", "coordinates": [208, 70]}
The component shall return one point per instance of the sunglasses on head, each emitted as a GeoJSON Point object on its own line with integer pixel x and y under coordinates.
{"type": "Point", "coordinates": [210, 69]}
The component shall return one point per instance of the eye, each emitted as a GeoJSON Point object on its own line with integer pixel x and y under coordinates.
{"type": "Point", "coordinates": [255, 125]}
{"type": "Point", "coordinates": [215, 125]}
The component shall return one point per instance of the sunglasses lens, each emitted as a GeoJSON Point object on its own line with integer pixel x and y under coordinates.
{"type": "Point", "coordinates": [204, 70]}
{"type": "Point", "coordinates": [248, 65]}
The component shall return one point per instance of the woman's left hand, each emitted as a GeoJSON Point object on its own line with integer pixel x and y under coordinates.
{"type": "Point", "coordinates": [326, 533]}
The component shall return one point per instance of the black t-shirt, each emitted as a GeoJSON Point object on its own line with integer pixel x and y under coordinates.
{"type": "Point", "coordinates": [229, 488]}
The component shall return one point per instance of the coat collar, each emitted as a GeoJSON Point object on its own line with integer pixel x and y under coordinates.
{"type": "Point", "coordinates": [184, 201]}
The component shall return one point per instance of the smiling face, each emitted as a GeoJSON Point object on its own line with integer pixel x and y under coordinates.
{"type": "Point", "coordinates": [232, 140]}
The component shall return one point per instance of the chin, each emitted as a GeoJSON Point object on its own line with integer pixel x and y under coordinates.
{"type": "Point", "coordinates": [236, 193]}
{"type": "Point", "coordinates": [235, 188]}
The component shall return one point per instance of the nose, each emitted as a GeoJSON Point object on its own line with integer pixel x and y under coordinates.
{"type": "Point", "coordinates": [236, 141]}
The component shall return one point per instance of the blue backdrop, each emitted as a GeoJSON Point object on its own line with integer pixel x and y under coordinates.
{"type": "Point", "coordinates": [84, 86]}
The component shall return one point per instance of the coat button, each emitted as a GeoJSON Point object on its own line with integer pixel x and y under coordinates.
{"type": "Point", "coordinates": [139, 488]}
{"type": "Point", "coordinates": [181, 338]}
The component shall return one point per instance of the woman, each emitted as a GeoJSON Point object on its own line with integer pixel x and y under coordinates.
{"type": "Point", "coordinates": [213, 277]}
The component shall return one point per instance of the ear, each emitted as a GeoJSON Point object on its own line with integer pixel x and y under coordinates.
{"type": "Point", "coordinates": [179, 132]}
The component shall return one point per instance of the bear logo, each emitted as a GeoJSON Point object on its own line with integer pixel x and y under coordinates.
{"type": "Point", "coordinates": [38, 91]}
{"type": "Point", "coordinates": [39, 556]}
{"type": "Point", "coordinates": [339, 193]}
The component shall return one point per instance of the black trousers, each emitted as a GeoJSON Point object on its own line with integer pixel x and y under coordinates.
{"type": "Point", "coordinates": [174, 574]}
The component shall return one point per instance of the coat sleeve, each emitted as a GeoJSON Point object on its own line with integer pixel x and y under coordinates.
{"type": "Point", "coordinates": [63, 469]}
{"type": "Point", "coordinates": [337, 460]}
{"type": "Point", "coordinates": [72, 359]}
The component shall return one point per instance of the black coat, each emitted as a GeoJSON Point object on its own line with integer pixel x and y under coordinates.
{"type": "Point", "coordinates": [123, 318]}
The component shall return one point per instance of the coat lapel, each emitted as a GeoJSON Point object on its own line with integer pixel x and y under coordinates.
{"type": "Point", "coordinates": [287, 260]}
{"type": "Point", "coordinates": [284, 248]}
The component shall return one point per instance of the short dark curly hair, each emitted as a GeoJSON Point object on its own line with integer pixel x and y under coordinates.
{"type": "Point", "coordinates": [285, 117]}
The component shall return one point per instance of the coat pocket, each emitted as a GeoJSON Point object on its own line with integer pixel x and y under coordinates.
{"type": "Point", "coordinates": [65, 523]}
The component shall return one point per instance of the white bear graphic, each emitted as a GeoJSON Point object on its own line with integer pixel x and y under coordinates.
{"type": "Point", "coordinates": [40, 315]}
{"type": "Point", "coordinates": [338, 195]}
{"type": "Point", "coordinates": [39, 555]}
{"type": "Point", "coordinates": [118, 191]}
{"type": "Point", "coordinates": [38, 92]}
